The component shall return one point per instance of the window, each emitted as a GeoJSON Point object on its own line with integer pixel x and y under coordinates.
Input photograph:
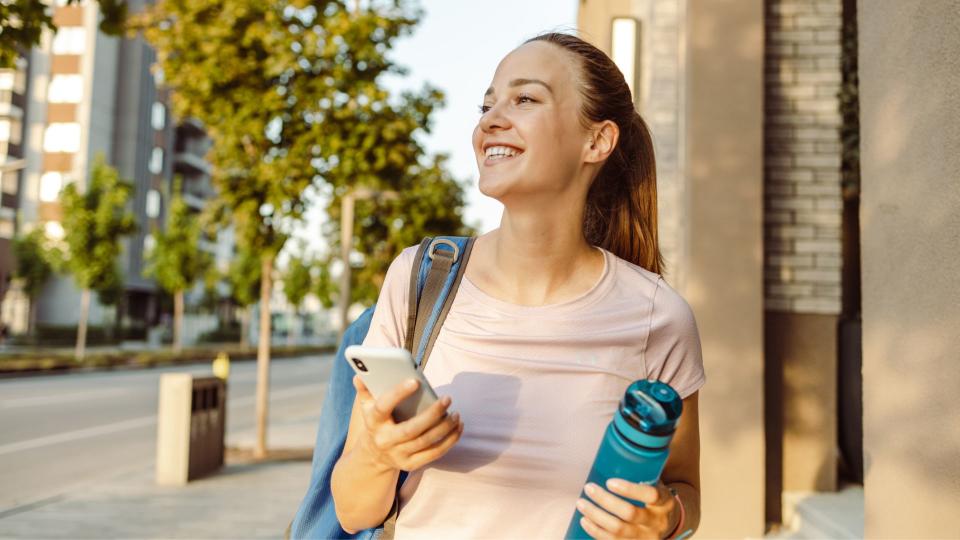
{"type": "Point", "coordinates": [157, 75]}
{"type": "Point", "coordinates": [7, 77]}
{"type": "Point", "coordinates": [156, 161]}
{"type": "Point", "coordinates": [149, 242]}
{"type": "Point", "coordinates": [4, 129]}
{"type": "Point", "coordinates": [158, 116]}
{"type": "Point", "coordinates": [53, 230]}
{"type": "Point", "coordinates": [153, 203]}
{"type": "Point", "coordinates": [626, 50]}
{"type": "Point", "coordinates": [63, 137]}
{"type": "Point", "coordinates": [70, 40]}
{"type": "Point", "coordinates": [6, 228]}
{"type": "Point", "coordinates": [10, 130]}
{"type": "Point", "coordinates": [65, 89]}
{"type": "Point", "coordinates": [50, 185]}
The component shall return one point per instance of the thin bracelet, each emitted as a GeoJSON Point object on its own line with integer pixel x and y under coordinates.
{"type": "Point", "coordinates": [683, 514]}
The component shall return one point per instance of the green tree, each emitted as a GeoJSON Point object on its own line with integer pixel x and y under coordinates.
{"type": "Point", "coordinates": [243, 276]}
{"type": "Point", "coordinates": [176, 260]}
{"type": "Point", "coordinates": [94, 222]}
{"type": "Point", "coordinates": [22, 22]}
{"type": "Point", "coordinates": [33, 269]}
{"type": "Point", "coordinates": [297, 284]}
{"type": "Point", "coordinates": [280, 87]}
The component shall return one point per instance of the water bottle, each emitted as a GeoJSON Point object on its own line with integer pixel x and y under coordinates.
{"type": "Point", "coordinates": [637, 441]}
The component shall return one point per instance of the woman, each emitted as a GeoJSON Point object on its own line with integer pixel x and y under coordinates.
{"type": "Point", "coordinates": [560, 308]}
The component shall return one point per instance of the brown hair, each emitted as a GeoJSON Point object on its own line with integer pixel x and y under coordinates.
{"type": "Point", "coordinates": [621, 211]}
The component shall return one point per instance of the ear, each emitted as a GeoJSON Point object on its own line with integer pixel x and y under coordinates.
{"type": "Point", "coordinates": [603, 139]}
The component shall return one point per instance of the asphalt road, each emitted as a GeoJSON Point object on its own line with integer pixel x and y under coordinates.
{"type": "Point", "coordinates": [60, 432]}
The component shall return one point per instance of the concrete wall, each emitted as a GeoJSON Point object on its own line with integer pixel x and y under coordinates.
{"type": "Point", "coordinates": [910, 226]}
{"type": "Point", "coordinates": [724, 164]}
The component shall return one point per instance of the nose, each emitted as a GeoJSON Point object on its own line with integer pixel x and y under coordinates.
{"type": "Point", "coordinates": [494, 118]}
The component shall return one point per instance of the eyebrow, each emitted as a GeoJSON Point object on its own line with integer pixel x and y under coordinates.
{"type": "Point", "coordinates": [521, 82]}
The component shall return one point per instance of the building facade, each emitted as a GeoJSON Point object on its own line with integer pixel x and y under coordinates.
{"type": "Point", "coordinates": [823, 376]}
{"type": "Point", "coordinates": [93, 94]}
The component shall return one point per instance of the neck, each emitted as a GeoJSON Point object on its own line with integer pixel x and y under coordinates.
{"type": "Point", "coordinates": [539, 258]}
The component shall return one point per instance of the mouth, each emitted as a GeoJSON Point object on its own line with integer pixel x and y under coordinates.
{"type": "Point", "coordinates": [494, 155]}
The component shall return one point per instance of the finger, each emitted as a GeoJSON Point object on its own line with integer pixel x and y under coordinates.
{"type": "Point", "coordinates": [655, 498]}
{"type": "Point", "coordinates": [593, 530]}
{"type": "Point", "coordinates": [386, 403]}
{"type": "Point", "coordinates": [361, 388]}
{"type": "Point", "coordinates": [436, 451]}
{"type": "Point", "coordinates": [434, 434]}
{"type": "Point", "coordinates": [416, 426]}
{"type": "Point", "coordinates": [611, 524]}
{"type": "Point", "coordinates": [620, 508]}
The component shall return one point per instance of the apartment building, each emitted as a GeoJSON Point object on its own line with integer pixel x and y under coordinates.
{"type": "Point", "coordinates": [95, 94]}
{"type": "Point", "coordinates": [13, 89]}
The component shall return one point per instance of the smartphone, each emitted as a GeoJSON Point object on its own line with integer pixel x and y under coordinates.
{"type": "Point", "coordinates": [383, 368]}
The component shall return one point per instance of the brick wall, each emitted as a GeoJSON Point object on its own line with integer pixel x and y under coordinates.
{"type": "Point", "coordinates": [802, 156]}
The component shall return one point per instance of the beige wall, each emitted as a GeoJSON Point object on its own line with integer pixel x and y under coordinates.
{"type": "Point", "coordinates": [910, 227]}
{"type": "Point", "coordinates": [724, 109]}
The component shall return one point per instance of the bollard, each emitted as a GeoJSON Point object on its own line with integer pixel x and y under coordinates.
{"type": "Point", "coordinates": [221, 365]}
{"type": "Point", "coordinates": [191, 425]}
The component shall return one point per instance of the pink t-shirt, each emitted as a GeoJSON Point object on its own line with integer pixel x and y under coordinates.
{"type": "Point", "coordinates": [536, 387]}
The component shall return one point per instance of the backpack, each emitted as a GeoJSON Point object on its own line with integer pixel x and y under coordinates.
{"type": "Point", "coordinates": [440, 262]}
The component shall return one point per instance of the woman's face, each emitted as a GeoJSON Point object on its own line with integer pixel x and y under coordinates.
{"type": "Point", "coordinates": [529, 140]}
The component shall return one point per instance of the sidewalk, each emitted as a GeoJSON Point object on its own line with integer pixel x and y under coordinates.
{"type": "Point", "coordinates": [243, 500]}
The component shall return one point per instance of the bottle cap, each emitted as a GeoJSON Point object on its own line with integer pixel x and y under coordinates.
{"type": "Point", "coordinates": [652, 407]}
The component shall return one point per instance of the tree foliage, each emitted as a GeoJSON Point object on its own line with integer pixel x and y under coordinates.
{"type": "Point", "coordinates": [22, 22]}
{"type": "Point", "coordinates": [243, 278]}
{"type": "Point", "coordinates": [33, 262]}
{"type": "Point", "coordinates": [94, 221]}
{"type": "Point", "coordinates": [297, 281]}
{"type": "Point", "coordinates": [176, 261]}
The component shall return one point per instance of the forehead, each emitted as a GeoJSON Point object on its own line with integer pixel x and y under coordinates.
{"type": "Point", "coordinates": [537, 60]}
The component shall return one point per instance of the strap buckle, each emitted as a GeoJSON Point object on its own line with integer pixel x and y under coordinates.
{"type": "Point", "coordinates": [438, 241]}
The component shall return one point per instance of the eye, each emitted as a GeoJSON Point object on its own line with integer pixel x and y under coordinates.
{"type": "Point", "coordinates": [483, 108]}
{"type": "Point", "coordinates": [522, 97]}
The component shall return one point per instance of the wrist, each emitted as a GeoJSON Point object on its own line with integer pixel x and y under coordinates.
{"type": "Point", "coordinates": [677, 515]}
{"type": "Point", "coordinates": [370, 459]}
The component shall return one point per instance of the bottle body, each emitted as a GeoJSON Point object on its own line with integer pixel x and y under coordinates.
{"type": "Point", "coordinates": [632, 450]}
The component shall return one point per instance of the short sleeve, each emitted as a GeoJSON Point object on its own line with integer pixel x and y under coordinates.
{"type": "Point", "coordinates": [673, 353]}
{"type": "Point", "coordinates": [388, 326]}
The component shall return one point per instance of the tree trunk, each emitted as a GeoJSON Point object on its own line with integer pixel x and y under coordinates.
{"type": "Point", "coordinates": [293, 322]}
{"type": "Point", "coordinates": [245, 326]}
{"type": "Point", "coordinates": [82, 325]}
{"type": "Point", "coordinates": [178, 321]}
{"type": "Point", "coordinates": [263, 359]}
{"type": "Point", "coordinates": [32, 318]}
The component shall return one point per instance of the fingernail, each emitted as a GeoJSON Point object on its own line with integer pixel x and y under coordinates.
{"type": "Point", "coordinates": [581, 505]}
{"type": "Point", "coordinates": [411, 383]}
{"type": "Point", "coordinates": [455, 417]}
{"type": "Point", "coordinates": [590, 488]}
{"type": "Point", "coordinates": [446, 401]}
{"type": "Point", "coordinates": [615, 484]}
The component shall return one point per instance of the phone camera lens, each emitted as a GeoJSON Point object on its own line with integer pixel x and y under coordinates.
{"type": "Point", "coordinates": [357, 362]}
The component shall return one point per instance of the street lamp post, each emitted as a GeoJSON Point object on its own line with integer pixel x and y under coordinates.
{"type": "Point", "coordinates": [346, 243]}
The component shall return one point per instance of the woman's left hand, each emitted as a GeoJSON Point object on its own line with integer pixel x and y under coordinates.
{"type": "Point", "coordinates": [609, 516]}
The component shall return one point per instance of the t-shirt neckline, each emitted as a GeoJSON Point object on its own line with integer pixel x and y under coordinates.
{"type": "Point", "coordinates": [594, 293]}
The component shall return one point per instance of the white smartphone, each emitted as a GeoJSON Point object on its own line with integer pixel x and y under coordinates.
{"type": "Point", "coordinates": [383, 368]}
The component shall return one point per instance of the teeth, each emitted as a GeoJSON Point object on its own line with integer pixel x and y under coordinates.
{"type": "Point", "coordinates": [501, 151]}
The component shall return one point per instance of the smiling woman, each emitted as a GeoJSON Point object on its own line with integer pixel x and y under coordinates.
{"type": "Point", "coordinates": [559, 310]}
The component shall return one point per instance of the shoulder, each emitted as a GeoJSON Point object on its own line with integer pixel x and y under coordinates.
{"type": "Point", "coordinates": [668, 308]}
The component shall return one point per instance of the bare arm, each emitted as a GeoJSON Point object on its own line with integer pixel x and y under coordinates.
{"type": "Point", "coordinates": [364, 479]}
{"type": "Point", "coordinates": [682, 470]}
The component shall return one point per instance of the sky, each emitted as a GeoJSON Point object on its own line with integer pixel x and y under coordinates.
{"type": "Point", "coordinates": [456, 48]}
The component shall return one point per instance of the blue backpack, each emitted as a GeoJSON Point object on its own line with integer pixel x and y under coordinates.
{"type": "Point", "coordinates": [441, 262]}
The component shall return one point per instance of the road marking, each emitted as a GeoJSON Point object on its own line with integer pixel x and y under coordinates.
{"type": "Point", "coordinates": [62, 398]}
{"type": "Point", "coordinates": [140, 422]}
{"type": "Point", "coordinates": [77, 434]}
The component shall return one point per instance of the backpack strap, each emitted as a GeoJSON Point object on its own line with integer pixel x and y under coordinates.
{"type": "Point", "coordinates": [434, 279]}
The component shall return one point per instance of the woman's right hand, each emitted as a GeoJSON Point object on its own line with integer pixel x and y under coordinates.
{"type": "Point", "coordinates": [410, 444]}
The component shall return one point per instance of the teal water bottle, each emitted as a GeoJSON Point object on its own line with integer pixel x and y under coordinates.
{"type": "Point", "coordinates": [637, 441]}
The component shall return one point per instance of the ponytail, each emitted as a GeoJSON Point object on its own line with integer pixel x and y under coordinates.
{"type": "Point", "coordinates": [621, 210]}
